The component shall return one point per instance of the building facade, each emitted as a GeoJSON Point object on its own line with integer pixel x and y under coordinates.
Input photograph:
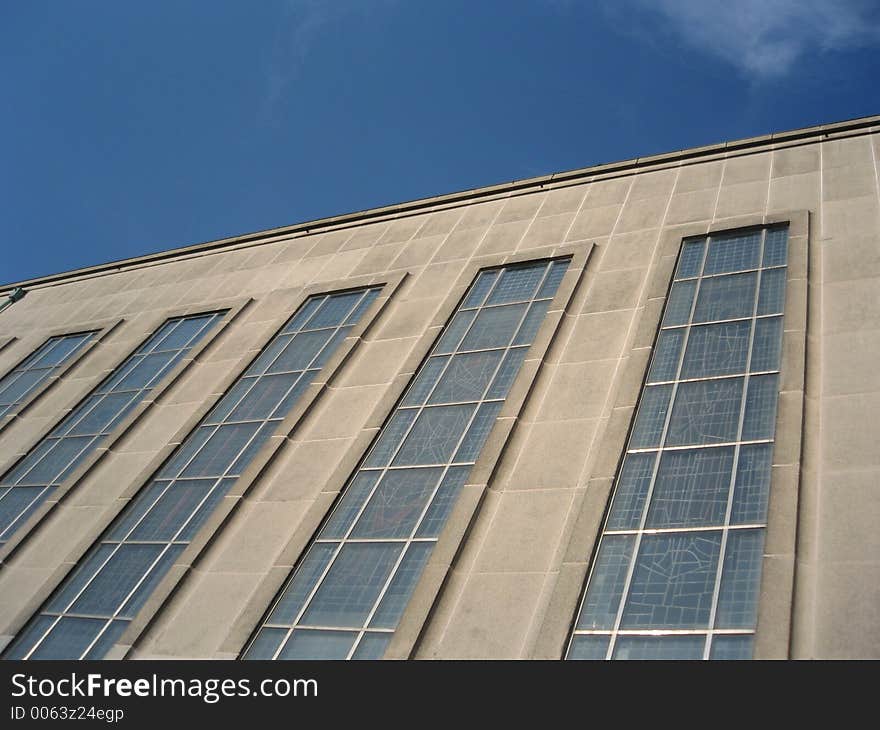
{"type": "Point", "coordinates": [623, 412]}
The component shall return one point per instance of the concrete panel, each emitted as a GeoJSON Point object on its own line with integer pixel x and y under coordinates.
{"type": "Point", "coordinates": [492, 618]}
{"type": "Point", "coordinates": [532, 526]}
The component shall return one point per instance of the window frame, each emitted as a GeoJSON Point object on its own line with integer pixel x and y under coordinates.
{"type": "Point", "coordinates": [47, 515]}
{"type": "Point", "coordinates": [775, 601]}
{"type": "Point", "coordinates": [26, 346]}
{"type": "Point", "coordinates": [207, 532]}
{"type": "Point", "coordinates": [428, 587]}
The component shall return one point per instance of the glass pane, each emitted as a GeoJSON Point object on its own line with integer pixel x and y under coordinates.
{"type": "Point", "coordinates": [517, 284]}
{"type": "Point", "coordinates": [165, 518]}
{"type": "Point", "coordinates": [692, 488]}
{"type": "Point", "coordinates": [267, 355]}
{"type": "Point", "coordinates": [651, 416]}
{"type": "Point", "coordinates": [77, 579]}
{"type": "Point", "coordinates": [136, 509]}
{"type": "Point", "coordinates": [443, 502]}
{"type": "Point", "coordinates": [252, 449]}
{"type": "Point", "coordinates": [306, 644]}
{"type": "Point", "coordinates": [185, 453]}
{"type": "Point", "coordinates": [103, 412]}
{"type": "Point", "coordinates": [691, 259]}
{"type": "Point", "coordinates": [717, 349]}
{"type": "Point", "coordinates": [673, 581]}
{"type": "Point", "coordinates": [300, 351]}
{"type": "Point", "coordinates": [335, 310]}
{"type": "Point", "coordinates": [349, 591]}
{"type": "Point", "coordinates": [116, 579]}
{"type": "Point", "coordinates": [664, 363]}
{"type": "Point", "coordinates": [261, 400]}
{"type": "Point", "coordinates": [478, 432]}
{"type": "Point", "coordinates": [331, 346]}
{"type": "Point", "coordinates": [31, 634]}
{"type": "Point", "coordinates": [428, 375]}
{"type": "Point", "coordinates": [69, 638]}
{"type": "Point", "coordinates": [659, 647]}
{"type": "Point", "coordinates": [402, 586]}
{"type": "Point", "coordinates": [206, 509]}
{"type": "Point", "coordinates": [731, 647]}
{"type": "Point", "coordinates": [529, 328]}
{"type": "Point", "coordinates": [736, 252]}
{"type": "Point", "coordinates": [265, 644]}
{"type": "Point", "coordinates": [752, 485]}
{"type": "Point", "coordinates": [775, 246]}
{"type": "Point", "coordinates": [293, 395]}
{"type": "Point", "coordinates": [588, 647]}
{"type": "Point", "coordinates": [494, 327]}
{"type": "Point", "coordinates": [17, 385]}
{"type": "Point", "coordinates": [147, 372]}
{"type": "Point", "coordinates": [390, 437]}
{"type": "Point", "coordinates": [362, 306]}
{"type": "Point", "coordinates": [740, 581]}
{"type": "Point", "coordinates": [225, 444]}
{"type": "Point", "coordinates": [434, 435]}
{"type": "Point", "coordinates": [50, 469]}
{"type": "Point", "coordinates": [631, 491]}
{"type": "Point", "coordinates": [554, 278]}
{"type": "Point", "coordinates": [58, 350]}
{"type": "Point", "coordinates": [679, 303]}
{"type": "Point", "coordinates": [767, 348]}
{"type": "Point", "coordinates": [372, 646]}
{"type": "Point", "coordinates": [184, 332]}
{"type": "Point", "coordinates": [705, 412]}
{"type": "Point", "coordinates": [148, 585]}
{"type": "Point", "coordinates": [16, 505]}
{"type": "Point", "coordinates": [726, 297]}
{"type": "Point", "coordinates": [303, 314]}
{"type": "Point", "coordinates": [19, 473]}
{"type": "Point", "coordinates": [507, 373]}
{"type": "Point", "coordinates": [466, 377]}
{"type": "Point", "coordinates": [477, 295]}
{"type": "Point", "coordinates": [760, 418]}
{"type": "Point", "coordinates": [607, 582]}
{"type": "Point", "coordinates": [772, 296]}
{"type": "Point", "coordinates": [294, 596]}
{"type": "Point", "coordinates": [397, 503]}
{"type": "Point", "coordinates": [353, 498]}
{"type": "Point", "coordinates": [454, 332]}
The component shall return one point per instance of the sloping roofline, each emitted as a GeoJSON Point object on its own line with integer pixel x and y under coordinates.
{"type": "Point", "coordinates": [804, 135]}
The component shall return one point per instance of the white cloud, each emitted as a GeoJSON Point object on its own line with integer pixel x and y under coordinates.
{"type": "Point", "coordinates": [765, 38]}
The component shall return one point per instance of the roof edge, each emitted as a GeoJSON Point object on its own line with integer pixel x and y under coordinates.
{"type": "Point", "coordinates": [419, 204]}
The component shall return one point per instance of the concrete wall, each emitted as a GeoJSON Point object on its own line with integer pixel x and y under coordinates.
{"type": "Point", "coordinates": [507, 589]}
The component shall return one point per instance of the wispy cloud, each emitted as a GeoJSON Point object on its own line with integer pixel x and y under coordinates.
{"type": "Point", "coordinates": [302, 25]}
{"type": "Point", "coordinates": [296, 33]}
{"type": "Point", "coordinates": [766, 38]}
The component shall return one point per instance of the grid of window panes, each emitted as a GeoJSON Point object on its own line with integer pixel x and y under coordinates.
{"type": "Point", "coordinates": [33, 479]}
{"type": "Point", "coordinates": [95, 604]}
{"type": "Point", "coordinates": [38, 367]}
{"type": "Point", "coordinates": [348, 592]}
{"type": "Point", "coordinates": [677, 570]}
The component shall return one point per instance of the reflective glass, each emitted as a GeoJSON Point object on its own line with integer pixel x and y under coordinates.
{"type": "Point", "coordinates": [682, 546]}
{"type": "Point", "coordinates": [19, 385]}
{"type": "Point", "coordinates": [85, 428]}
{"type": "Point", "coordinates": [140, 546]}
{"type": "Point", "coordinates": [395, 505]}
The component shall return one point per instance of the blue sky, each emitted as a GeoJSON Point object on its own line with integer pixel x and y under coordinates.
{"type": "Point", "coordinates": [133, 127]}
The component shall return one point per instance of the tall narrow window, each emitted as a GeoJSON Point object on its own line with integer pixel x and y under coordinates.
{"type": "Point", "coordinates": [29, 375]}
{"type": "Point", "coordinates": [98, 600]}
{"type": "Point", "coordinates": [43, 469]}
{"type": "Point", "coordinates": [678, 566]}
{"type": "Point", "coordinates": [347, 594]}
